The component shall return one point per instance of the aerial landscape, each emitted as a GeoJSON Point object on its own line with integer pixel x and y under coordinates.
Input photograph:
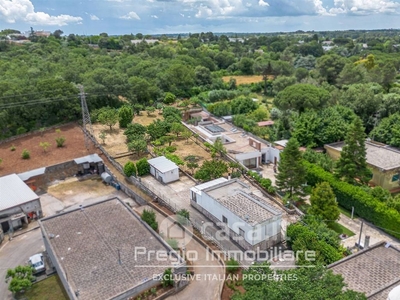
{"type": "Point", "coordinates": [199, 150]}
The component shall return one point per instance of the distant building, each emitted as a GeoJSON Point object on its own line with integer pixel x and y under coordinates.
{"type": "Point", "coordinates": [383, 160]}
{"type": "Point", "coordinates": [374, 271]}
{"type": "Point", "coordinates": [265, 123]}
{"type": "Point", "coordinates": [246, 218]}
{"type": "Point", "coordinates": [18, 203]}
{"type": "Point", "coordinates": [148, 41]}
{"type": "Point", "coordinates": [240, 40]}
{"type": "Point", "coordinates": [101, 251]}
{"type": "Point", "coordinates": [163, 169]}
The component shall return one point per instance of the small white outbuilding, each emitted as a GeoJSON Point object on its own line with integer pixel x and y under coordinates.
{"type": "Point", "coordinates": [163, 169]}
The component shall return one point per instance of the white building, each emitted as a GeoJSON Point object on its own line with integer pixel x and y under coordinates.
{"type": "Point", "coordinates": [163, 169]}
{"type": "Point", "coordinates": [18, 203]}
{"type": "Point", "coordinates": [247, 219]}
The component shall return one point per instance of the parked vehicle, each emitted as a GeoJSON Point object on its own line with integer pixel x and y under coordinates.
{"type": "Point", "coordinates": [37, 262]}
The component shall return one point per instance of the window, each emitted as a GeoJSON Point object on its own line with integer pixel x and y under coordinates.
{"type": "Point", "coordinates": [395, 177]}
{"type": "Point", "coordinates": [241, 232]}
{"type": "Point", "coordinates": [194, 196]}
{"type": "Point", "coordinates": [224, 219]}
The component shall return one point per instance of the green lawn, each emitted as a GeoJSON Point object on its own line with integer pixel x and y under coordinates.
{"type": "Point", "coordinates": [341, 229]}
{"type": "Point", "coordinates": [48, 289]}
{"type": "Point", "coordinates": [346, 212]}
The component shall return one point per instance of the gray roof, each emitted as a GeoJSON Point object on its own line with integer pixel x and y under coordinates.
{"type": "Point", "coordinates": [281, 143]}
{"type": "Point", "coordinates": [374, 271]}
{"type": "Point", "coordinates": [378, 155]}
{"type": "Point", "coordinates": [26, 175]}
{"type": "Point", "coordinates": [86, 243]}
{"type": "Point", "coordinates": [162, 164]}
{"type": "Point", "coordinates": [208, 184]}
{"type": "Point", "coordinates": [13, 192]}
{"type": "Point", "coordinates": [92, 158]}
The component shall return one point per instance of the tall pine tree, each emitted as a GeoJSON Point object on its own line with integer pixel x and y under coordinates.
{"type": "Point", "coordinates": [291, 172]}
{"type": "Point", "coordinates": [352, 164]}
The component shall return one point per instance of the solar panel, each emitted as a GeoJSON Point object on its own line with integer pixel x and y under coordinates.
{"type": "Point", "coordinates": [214, 128]}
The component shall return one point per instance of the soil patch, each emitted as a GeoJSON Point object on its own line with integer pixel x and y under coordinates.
{"type": "Point", "coordinates": [74, 147]}
{"type": "Point", "coordinates": [244, 79]}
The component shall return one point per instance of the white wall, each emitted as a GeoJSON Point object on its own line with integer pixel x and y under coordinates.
{"type": "Point", "coordinates": [167, 176]}
{"type": "Point", "coordinates": [262, 231]}
{"type": "Point", "coordinates": [271, 153]}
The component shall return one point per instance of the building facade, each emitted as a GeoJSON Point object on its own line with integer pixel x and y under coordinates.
{"type": "Point", "coordinates": [246, 218]}
{"type": "Point", "coordinates": [163, 169]}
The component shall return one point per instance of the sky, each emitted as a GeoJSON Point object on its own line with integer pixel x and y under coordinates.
{"type": "Point", "coordinates": [117, 17]}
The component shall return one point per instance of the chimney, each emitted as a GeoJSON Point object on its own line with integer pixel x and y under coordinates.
{"type": "Point", "coordinates": [366, 241]}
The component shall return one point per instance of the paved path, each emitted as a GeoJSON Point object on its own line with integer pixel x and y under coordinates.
{"type": "Point", "coordinates": [204, 266]}
{"type": "Point", "coordinates": [17, 252]}
{"type": "Point", "coordinates": [376, 235]}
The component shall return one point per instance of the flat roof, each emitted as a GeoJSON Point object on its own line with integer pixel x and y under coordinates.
{"type": "Point", "coordinates": [162, 164]}
{"type": "Point", "coordinates": [14, 192]}
{"type": "Point", "coordinates": [86, 243]}
{"type": "Point", "coordinates": [374, 271]}
{"type": "Point", "coordinates": [378, 155]}
{"type": "Point", "coordinates": [232, 195]}
{"type": "Point", "coordinates": [265, 123]}
{"type": "Point", "coordinates": [281, 143]}
{"type": "Point", "coordinates": [92, 158]}
{"type": "Point", "coordinates": [26, 175]}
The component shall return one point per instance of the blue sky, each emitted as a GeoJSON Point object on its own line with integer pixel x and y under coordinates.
{"type": "Point", "coordinates": [182, 16]}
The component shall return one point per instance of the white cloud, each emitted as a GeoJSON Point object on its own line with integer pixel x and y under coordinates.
{"type": "Point", "coordinates": [131, 15]}
{"type": "Point", "coordinates": [154, 16]}
{"type": "Point", "coordinates": [94, 18]}
{"type": "Point", "coordinates": [365, 7]}
{"type": "Point", "coordinates": [261, 3]}
{"type": "Point", "coordinates": [12, 11]}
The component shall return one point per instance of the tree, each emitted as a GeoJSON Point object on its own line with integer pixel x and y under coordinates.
{"type": "Point", "coordinates": [291, 172]}
{"type": "Point", "coordinates": [149, 216]}
{"type": "Point", "coordinates": [143, 167]}
{"type": "Point", "coordinates": [125, 116]}
{"type": "Point", "coordinates": [130, 169]}
{"type": "Point", "coordinates": [21, 278]}
{"type": "Point", "coordinates": [150, 110]}
{"type": "Point", "coordinates": [388, 131]}
{"type": "Point", "coordinates": [186, 134]}
{"type": "Point", "coordinates": [282, 82]}
{"type": "Point", "coordinates": [192, 166]}
{"type": "Point", "coordinates": [352, 164]}
{"type": "Point", "coordinates": [167, 278]}
{"type": "Point", "coordinates": [323, 203]}
{"type": "Point", "coordinates": [44, 145]}
{"type": "Point", "coordinates": [134, 131]}
{"type": "Point", "coordinates": [300, 97]}
{"type": "Point", "coordinates": [169, 98]}
{"type": "Point", "coordinates": [177, 128]}
{"type": "Point", "coordinates": [108, 116]}
{"type": "Point", "coordinates": [330, 66]}
{"type": "Point", "coordinates": [57, 33]}
{"type": "Point", "coordinates": [158, 129]}
{"type": "Point", "coordinates": [138, 146]}
{"type": "Point", "coordinates": [211, 169]}
{"type": "Point", "coordinates": [311, 283]}
{"type": "Point", "coordinates": [103, 136]}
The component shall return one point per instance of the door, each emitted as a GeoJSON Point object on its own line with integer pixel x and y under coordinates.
{"type": "Point", "coordinates": [5, 226]}
{"type": "Point", "coordinates": [275, 160]}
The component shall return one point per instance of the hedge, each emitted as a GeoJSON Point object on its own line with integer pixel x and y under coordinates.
{"type": "Point", "coordinates": [365, 205]}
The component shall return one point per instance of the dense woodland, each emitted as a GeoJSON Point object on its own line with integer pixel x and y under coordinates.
{"type": "Point", "coordinates": [311, 94]}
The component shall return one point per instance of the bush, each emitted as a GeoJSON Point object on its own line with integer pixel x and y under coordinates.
{"type": "Point", "coordinates": [173, 244]}
{"type": "Point", "coordinates": [21, 130]}
{"type": "Point", "coordinates": [25, 154]}
{"type": "Point", "coordinates": [232, 265]}
{"type": "Point", "coordinates": [149, 217]}
{"type": "Point", "coordinates": [167, 278]}
{"type": "Point", "coordinates": [365, 205]}
{"type": "Point", "coordinates": [60, 141]}
{"type": "Point", "coordinates": [130, 169]}
{"type": "Point", "coordinates": [143, 167]}
{"type": "Point", "coordinates": [170, 149]}
{"type": "Point", "coordinates": [13, 148]}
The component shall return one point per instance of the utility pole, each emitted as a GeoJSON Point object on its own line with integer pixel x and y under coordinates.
{"type": "Point", "coordinates": [359, 239]}
{"type": "Point", "coordinates": [86, 122]}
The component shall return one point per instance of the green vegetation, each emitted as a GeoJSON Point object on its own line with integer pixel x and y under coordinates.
{"type": "Point", "coordinates": [45, 146]}
{"type": "Point", "coordinates": [323, 203]}
{"type": "Point", "coordinates": [232, 265]}
{"type": "Point", "coordinates": [49, 289]}
{"type": "Point", "coordinates": [310, 283]}
{"type": "Point", "coordinates": [125, 116]}
{"type": "Point", "coordinates": [143, 167]}
{"type": "Point", "coordinates": [149, 217]}
{"type": "Point", "coordinates": [211, 169]}
{"type": "Point", "coordinates": [167, 278]}
{"type": "Point", "coordinates": [20, 278]}
{"type": "Point", "coordinates": [25, 154]}
{"type": "Point", "coordinates": [340, 229]}
{"type": "Point", "coordinates": [130, 169]}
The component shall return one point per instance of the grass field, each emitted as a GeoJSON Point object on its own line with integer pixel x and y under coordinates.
{"type": "Point", "coordinates": [48, 289]}
{"type": "Point", "coordinates": [243, 79]}
{"type": "Point", "coordinates": [340, 229]}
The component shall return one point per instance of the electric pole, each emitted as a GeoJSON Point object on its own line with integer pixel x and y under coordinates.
{"type": "Point", "coordinates": [86, 122]}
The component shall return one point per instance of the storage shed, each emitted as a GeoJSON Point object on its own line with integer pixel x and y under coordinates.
{"type": "Point", "coordinates": [163, 169]}
{"type": "Point", "coordinates": [18, 203]}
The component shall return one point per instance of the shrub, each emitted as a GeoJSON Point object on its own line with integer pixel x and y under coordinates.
{"type": "Point", "coordinates": [143, 167]}
{"type": "Point", "coordinates": [183, 216]}
{"type": "Point", "coordinates": [167, 278]}
{"type": "Point", "coordinates": [60, 141]}
{"type": "Point", "coordinates": [130, 169]}
{"type": "Point", "coordinates": [153, 291]}
{"type": "Point", "coordinates": [21, 130]}
{"type": "Point", "coordinates": [1, 161]}
{"type": "Point", "coordinates": [13, 148]}
{"type": "Point", "coordinates": [170, 149]}
{"type": "Point", "coordinates": [365, 205]}
{"type": "Point", "coordinates": [173, 243]}
{"type": "Point", "coordinates": [231, 265]}
{"type": "Point", "coordinates": [25, 154]}
{"type": "Point", "coordinates": [149, 217]}
{"type": "Point", "coordinates": [125, 116]}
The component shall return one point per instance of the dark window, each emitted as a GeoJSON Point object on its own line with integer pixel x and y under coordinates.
{"type": "Point", "coordinates": [241, 232]}
{"type": "Point", "coordinates": [395, 177]}
{"type": "Point", "coordinates": [224, 219]}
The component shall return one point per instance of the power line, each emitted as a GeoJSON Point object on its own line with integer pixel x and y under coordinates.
{"type": "Point", "coordinates": [34, 102]}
